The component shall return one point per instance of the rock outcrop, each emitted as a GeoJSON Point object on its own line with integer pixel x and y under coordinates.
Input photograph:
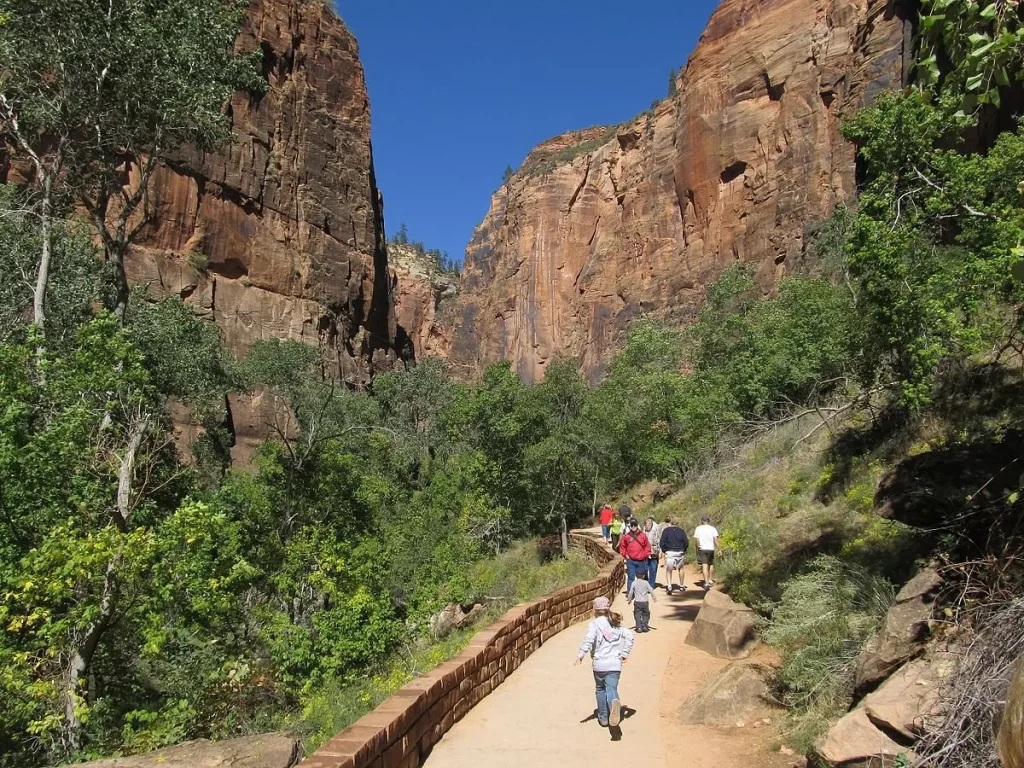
{"type": "Point", "coordinates": [420, 288]}
{"type": "Point", "coordinates": [603, 226]}
{"type": "Point", "coordinates": [724, 628]}
{"type": "Point", "coordinates": [904, 632]}
{"type": "Point", "coordinates": [740, 693]}
{"type": "Point", "coordinates": [280, 234]}
{"type": "Point", "coordinates": [268, 750]}
{"type": "Point", "coordinates": [855, 742]}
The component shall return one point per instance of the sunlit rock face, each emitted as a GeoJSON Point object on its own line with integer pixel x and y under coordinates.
{"type": "Point", "coordinates": [603, 226]}
{"type": "Point", "coordinates": [280, 234]}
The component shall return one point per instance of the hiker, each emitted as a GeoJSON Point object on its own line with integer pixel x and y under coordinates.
{"type": "Point", "coordinates": [625, 514]}
{"type": "Point", "coordinates": [706, 536]}
{"type": "Point", "coordinates": [606, 522]}
{"type": "Point", "coordinates": [673, 546]}
{"type": "Point", "coordinates": [616, 529]}
{"type": "Point", "coordinates": [609, 644]}
{"type": "Point", "coordinates": [640, 594]}
{"type": "Point", "coordinates": [635, 547]}
{"type": "Point", "coordinates": [653, 532]}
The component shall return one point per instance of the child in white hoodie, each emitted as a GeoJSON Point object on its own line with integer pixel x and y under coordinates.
{"type": "Point", "coordinates": [609, 645]}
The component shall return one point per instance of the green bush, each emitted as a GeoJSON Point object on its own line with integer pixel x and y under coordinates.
{"type": "Point", "coordinates": [820, 626]}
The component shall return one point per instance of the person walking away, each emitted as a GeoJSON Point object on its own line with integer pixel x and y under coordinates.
{"type": "Point", "coordinates": [706, 536]}
{"type": "Point", "coordinates": [606, 522]}
{"type": "Point", "coordinates": [625, 514]}
{"type": "Point", "coordinates": [640, 594]}
{"type": "Point", "coordinates": [673, 545]}
{"type": "Point", "coordinates": [609, 645]}
{"type": "Point", "coordinates": [635, 547]}
{"type": "Point", "coordinates": [653, 532]}
{"type": "Point", "coordinates": [616, 529]}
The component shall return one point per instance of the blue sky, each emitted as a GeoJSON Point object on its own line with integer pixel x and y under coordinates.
{"type": "Point", "coordinates": [460, 89]}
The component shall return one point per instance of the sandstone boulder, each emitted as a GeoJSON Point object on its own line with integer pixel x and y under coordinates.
{"type": "Point", "coordinates": [903, 634]}
{"type": "Point", "coordinates": [739, 693]}
{"type": "Point", "coordinates": [724, 628]}
{"type": "Point", "coordinates": [452, 617]}
{"type": "Point", "coordinates": [268, 750]}
{"type": "Point", "coordinates": [855, 742]}
{"type": "Point", "coordinates": [907, 702]}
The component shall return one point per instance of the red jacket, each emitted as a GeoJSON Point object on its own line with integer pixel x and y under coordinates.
{"type": "Point", "coordinates": [635, 546]}
{"type": "Point", "coordinates": [606, 516]}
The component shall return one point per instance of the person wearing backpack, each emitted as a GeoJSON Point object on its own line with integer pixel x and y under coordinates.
{"type": "Point", "coordinates": [636, 548]}
{"type": "Point", "coordinates": [674, 543]}
{"type": "Point", "coordinates": [609, 645]}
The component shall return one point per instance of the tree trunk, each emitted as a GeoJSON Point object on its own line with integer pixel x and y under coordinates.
{"type": "Point", "coordinates": [43, 275]}
{"type": "Point", "coordinates": [565, 538]}
{"type": "Point", "coordinates": [115, 255]}
{"type": "Point", "coordinates": [82, 656]}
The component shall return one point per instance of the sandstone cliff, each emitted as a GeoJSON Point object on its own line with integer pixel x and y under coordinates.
{"type": "Point", "coordinates": [280, 234]}
{"type": "Point", "coordinates": [603, 226]}
{"type": "Point", "coordinates": [420, 289]}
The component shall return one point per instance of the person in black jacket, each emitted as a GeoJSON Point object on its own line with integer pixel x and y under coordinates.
{"type": "Point", "coordinates": [673, 545]}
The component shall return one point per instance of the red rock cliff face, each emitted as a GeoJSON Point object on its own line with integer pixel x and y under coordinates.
{"type": "Point", "coordinates": [604, 226]}
{"type": "Point", "coordinates": [280, 234]}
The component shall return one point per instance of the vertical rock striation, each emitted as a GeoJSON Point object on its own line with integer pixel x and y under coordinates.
{"type": "Point", "coordinates": [603, 226]}
{"type": "Point", "coordinates": [280, 234]}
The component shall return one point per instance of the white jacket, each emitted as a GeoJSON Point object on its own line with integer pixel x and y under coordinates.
{"type": "Point", "coordinates": [606, 644]}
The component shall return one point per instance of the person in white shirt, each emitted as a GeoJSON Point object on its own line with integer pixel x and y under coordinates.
{"type": "Point", "coordinates": [706, 537]}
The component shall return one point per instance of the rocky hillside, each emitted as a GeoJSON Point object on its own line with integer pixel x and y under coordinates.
{"type": "Point", "coordinates": [280, 234]}
{"type": "Point", "coordinates": [603, 226]}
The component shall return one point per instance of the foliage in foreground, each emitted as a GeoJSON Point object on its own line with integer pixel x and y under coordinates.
{"type": "Point", "coordinates": [515, 576]}
{"type": "Point", "coordinates": [825, 617]}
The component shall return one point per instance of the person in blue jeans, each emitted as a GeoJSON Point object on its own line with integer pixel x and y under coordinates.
{"type": "Point", "coordinates": [636, 549]}
{"type": "Point", "coordinates": [609, 645]}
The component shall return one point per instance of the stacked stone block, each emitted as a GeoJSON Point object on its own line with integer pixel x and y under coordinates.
{"type": "Point", "coordinates": [401, 732]}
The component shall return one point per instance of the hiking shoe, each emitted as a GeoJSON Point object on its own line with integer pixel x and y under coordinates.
{"type": "Point", "coordinates": [603, 723]}
{"type": "Point", "coordinates": [616, 715]}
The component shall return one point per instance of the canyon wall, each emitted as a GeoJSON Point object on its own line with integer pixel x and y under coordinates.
{"type": "Point", "coordinates": [280, 234]}
{"type": "Point", "coordinates": [604, 226]}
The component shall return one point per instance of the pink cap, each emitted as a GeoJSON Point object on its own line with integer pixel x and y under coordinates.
{"type": "Point", "coordinates": [602, 604]}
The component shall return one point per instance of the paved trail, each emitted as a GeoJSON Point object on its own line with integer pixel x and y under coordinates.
{"type": "Point", "coordinates": [545, 714]}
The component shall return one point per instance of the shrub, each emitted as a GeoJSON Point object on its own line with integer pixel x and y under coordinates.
{"type": "Point", "coordinates": [820, 626]}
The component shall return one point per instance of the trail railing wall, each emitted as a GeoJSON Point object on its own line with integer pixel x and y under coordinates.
{"type": "Point", "coordinates": [401, 732]}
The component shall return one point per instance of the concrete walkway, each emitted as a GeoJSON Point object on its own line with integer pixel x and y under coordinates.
{"type": "Point", "coordinates": [545, 713]}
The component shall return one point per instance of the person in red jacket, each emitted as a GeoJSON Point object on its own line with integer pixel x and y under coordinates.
{"type": "Point", "coordinates": [636, 548]}
{"type": "Point", "coordinates": [606, 522]}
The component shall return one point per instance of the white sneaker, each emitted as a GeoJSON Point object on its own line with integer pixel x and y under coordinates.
{"type": "Point", "coordinates": [616, 714]}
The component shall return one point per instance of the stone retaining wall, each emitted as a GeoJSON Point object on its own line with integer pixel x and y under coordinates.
{"type": "Point", "coordinates": [401, 732]}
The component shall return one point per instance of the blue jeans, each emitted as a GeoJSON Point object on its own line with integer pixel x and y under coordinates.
{"type": "Point", "coordinates": [606, 531]}
{"type": "Point", "coordinates": [607, 685]}
{"type": "Point", "coordinates": [652, 571]}
{"type": "Point", "coordinates": [633, 567]}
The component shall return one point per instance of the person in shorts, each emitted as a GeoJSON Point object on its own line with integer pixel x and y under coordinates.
{"type": "Point", "coordinates": [706, 537]}
{"type": "Point", "coordinates": [673, 546]}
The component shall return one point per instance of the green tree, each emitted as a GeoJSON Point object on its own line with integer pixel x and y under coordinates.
{"type": "Point", "coordinates": [85, 459]}
{"type": "Point", "coordinates": [95, 94]}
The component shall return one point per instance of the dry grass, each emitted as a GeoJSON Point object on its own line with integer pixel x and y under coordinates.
{"type": "Point", "coordinates": [974, 698]}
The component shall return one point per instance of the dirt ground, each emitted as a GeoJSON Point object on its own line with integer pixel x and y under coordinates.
{"type": "Point", "coordinates": [545, 714]}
